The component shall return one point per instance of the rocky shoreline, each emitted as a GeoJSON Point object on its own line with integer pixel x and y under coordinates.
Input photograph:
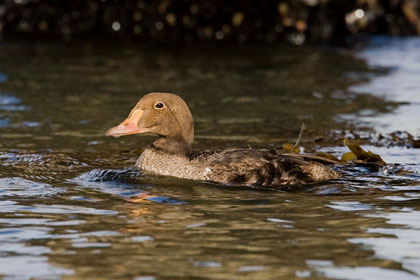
{"type": "Point", "coordinates": [167, 21]}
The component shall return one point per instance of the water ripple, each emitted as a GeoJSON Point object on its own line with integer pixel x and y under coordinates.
{"type": "Point", "coordinates": [34, 267]}
{"type": "Point", "coordinates": [39, 221]}
{"type": "Point", "coordinates": [3, 78]}
{"type": "Point", "coordinates": [68, 209]}
{"type": "Point", "coordinates": [10, 103]}
{"type": "Point", "coordinates": [18, 187]}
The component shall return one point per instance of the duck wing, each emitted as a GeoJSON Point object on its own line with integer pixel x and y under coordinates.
{"type": "Point", "coordinates": [262, 167]}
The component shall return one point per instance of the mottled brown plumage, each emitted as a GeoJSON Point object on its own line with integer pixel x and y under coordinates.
{"type": "Point", "coordinates": [168, 116]}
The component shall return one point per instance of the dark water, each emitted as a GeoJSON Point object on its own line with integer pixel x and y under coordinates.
{"type": "Point", "coordinates": [72, 207]}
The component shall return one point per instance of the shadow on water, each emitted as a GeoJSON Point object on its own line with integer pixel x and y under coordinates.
{"type": "Point", "coordinates": [71, 206]}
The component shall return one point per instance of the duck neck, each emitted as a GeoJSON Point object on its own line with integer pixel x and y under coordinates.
{"type": "Point", "coordinates": [172, 146]}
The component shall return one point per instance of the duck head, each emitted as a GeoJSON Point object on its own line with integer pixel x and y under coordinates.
{"type": "Point", "coordinates": [163, 114]}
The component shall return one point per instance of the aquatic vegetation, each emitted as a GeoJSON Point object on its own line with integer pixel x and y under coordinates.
{"type": "Point", "coordinates": [361, 155]}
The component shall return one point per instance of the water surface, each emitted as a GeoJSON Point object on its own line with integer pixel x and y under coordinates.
{"type": "Point", "coordinates": [72, 206]}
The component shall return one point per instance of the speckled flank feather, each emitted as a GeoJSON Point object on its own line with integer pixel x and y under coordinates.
{"type": "Point", "coordinates": [236, 167]}
{"type": "Point", "coordinates": [168, 116]}
{"type": "Point", "coordinates": [155, 161]}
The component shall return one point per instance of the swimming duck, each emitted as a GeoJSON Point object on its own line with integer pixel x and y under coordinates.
{"type": "Point", "coordinates": [168, 116]}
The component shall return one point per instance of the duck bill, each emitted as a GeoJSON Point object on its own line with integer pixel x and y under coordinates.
{"type": "Point", "coordinates": [128, 126]}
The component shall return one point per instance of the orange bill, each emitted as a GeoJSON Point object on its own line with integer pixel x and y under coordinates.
{"type": "Point", "coordinates": [128, 126]}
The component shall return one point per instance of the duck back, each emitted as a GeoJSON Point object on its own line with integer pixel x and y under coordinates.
{"type": "Point", "coordinates": [263, 167]}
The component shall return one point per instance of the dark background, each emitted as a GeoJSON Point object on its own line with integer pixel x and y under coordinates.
{"type": "Point", "coordinates": [170, 21]}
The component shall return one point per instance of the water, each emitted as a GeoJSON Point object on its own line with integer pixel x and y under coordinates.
{"type": "Point", "coordinates": [72, 206]}
{"type": "Point", "coordinates": [401, 57]}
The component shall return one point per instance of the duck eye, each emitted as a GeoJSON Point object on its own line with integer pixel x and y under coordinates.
{"type": "Point", "coordinates": [159, 106]}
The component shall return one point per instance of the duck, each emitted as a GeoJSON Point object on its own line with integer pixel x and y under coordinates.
{"type": "Point", "coordinates": [168, 116]}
